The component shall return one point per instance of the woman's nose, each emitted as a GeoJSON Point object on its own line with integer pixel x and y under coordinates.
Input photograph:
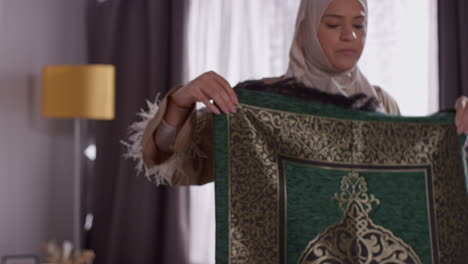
{"type": "Point", "coordinates": [348, 34]}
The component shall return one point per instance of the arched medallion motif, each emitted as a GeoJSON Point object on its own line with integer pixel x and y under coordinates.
{"type": "Point", "coordinates": [357, 239]}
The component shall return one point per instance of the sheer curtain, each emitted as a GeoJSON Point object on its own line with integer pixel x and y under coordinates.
{"type": "Point", "coordinates": [401, 52]}
{"type": "Point", "coordinates": [245, 39]}
{"type": "Point", "coordinates": [240, 40]}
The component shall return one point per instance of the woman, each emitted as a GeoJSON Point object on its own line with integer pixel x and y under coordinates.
{"type": "Point", "coordinates": [328, 42]}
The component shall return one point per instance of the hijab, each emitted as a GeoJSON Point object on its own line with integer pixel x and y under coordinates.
{"type": "Point", "coordinates": [308, 63]}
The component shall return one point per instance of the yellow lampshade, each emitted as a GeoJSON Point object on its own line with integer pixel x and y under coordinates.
{"type": "Point", "coordinates": [78, 91]}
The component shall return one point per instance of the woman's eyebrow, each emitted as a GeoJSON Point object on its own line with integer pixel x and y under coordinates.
{"type": "Point", "coordinates": [339, 16]}
{"type": "Point", "coordinates": [333, 16]}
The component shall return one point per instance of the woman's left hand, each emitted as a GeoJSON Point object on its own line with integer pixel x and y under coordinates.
{"type": "Point", "coordinates": [461, 117]}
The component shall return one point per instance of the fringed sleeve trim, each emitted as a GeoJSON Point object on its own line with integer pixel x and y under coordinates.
{"type": "Point", "coordinates": [165, 173]}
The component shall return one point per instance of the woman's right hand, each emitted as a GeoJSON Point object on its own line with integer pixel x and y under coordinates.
{"type": "Point", "coordinates": [206, 87]}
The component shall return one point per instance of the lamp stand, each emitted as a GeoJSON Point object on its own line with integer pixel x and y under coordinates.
{"type": "Point", "coordinates": [77, 185]}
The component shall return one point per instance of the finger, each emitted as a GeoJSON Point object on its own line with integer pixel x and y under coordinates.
{"type": "Point", "coordinates": [461, 102]}
{"type": "Point", "coordinates": [223, 97]}
{"type": "Point", "coordinates": [461, 116]}
{"type": "Point", "coordinates": [227, 87]}
{"type": "Point", "coordinates": [226, 91]}
{"type": "Point", "coordinates": [459, 112]}
{"type": "Point", "coordinates": [458, 120]}
{"type": "Point", "coordinates": [213, 91]}
{"type": "Point", "coordinates": [230, 98]}
{"type": "Point", "coordinates": [464, 119]}
{"type": "Point", "coordinates": [202, 98]}
{"type": "Point", "coordinates": [223, 104]}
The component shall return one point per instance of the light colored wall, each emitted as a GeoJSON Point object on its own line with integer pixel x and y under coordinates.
{"type": "Point", "coordinates": [36, 154]}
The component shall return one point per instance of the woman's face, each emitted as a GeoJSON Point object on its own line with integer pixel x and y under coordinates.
{"type": "Point", "coordinates": [342, 33]}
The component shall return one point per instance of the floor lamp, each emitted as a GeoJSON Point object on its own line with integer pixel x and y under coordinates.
{"type": "Point", "coordinates": [78, 92]}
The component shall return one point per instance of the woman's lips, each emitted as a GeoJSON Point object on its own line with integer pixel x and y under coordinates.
{"type": "Point", "coordinates": [347, 52]}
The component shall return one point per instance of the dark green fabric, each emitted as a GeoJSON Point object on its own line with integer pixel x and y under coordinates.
{"type": "Point", "coordinates": [404, 210]}
{"type": "Point", "coordinates": [221, 162]}
{"type": "Point", "coordinates": [279, 102]}
{"type": "Point", "coordinates": [408, 163]}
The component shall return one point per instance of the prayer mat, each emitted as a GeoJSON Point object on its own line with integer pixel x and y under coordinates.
{"type": "Point", "coordinates": [303, 182]}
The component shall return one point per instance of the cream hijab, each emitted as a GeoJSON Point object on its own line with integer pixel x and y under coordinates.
{"type": "Point", "coordinates": [308, 63]}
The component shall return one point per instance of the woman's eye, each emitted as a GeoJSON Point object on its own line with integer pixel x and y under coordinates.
{"type": "Point", "coordinates": [332, 25]}
{"type": "Point", "coordinates": [360, 26]}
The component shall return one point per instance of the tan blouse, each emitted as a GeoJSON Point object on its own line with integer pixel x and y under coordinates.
{"type": "Point", "coordinates": [193, 153]}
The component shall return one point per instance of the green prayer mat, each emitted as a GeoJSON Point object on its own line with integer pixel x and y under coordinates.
{"type": "Point", "coordinates": [303, 182]}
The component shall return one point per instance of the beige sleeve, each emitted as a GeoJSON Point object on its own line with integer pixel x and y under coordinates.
{"type": "Point", "coordinates": [387, 101]}
{"type": "Point", "coordinates": [191, 161]}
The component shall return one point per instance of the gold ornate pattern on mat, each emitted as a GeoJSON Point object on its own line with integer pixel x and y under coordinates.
{"type": "Point", "coordinates": [257, 135]}
{"type": "Point", "coordinates": [357, 239]}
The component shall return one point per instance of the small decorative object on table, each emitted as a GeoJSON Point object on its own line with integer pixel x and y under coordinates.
{"type": "Point", "coordinates": [65, 255]}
